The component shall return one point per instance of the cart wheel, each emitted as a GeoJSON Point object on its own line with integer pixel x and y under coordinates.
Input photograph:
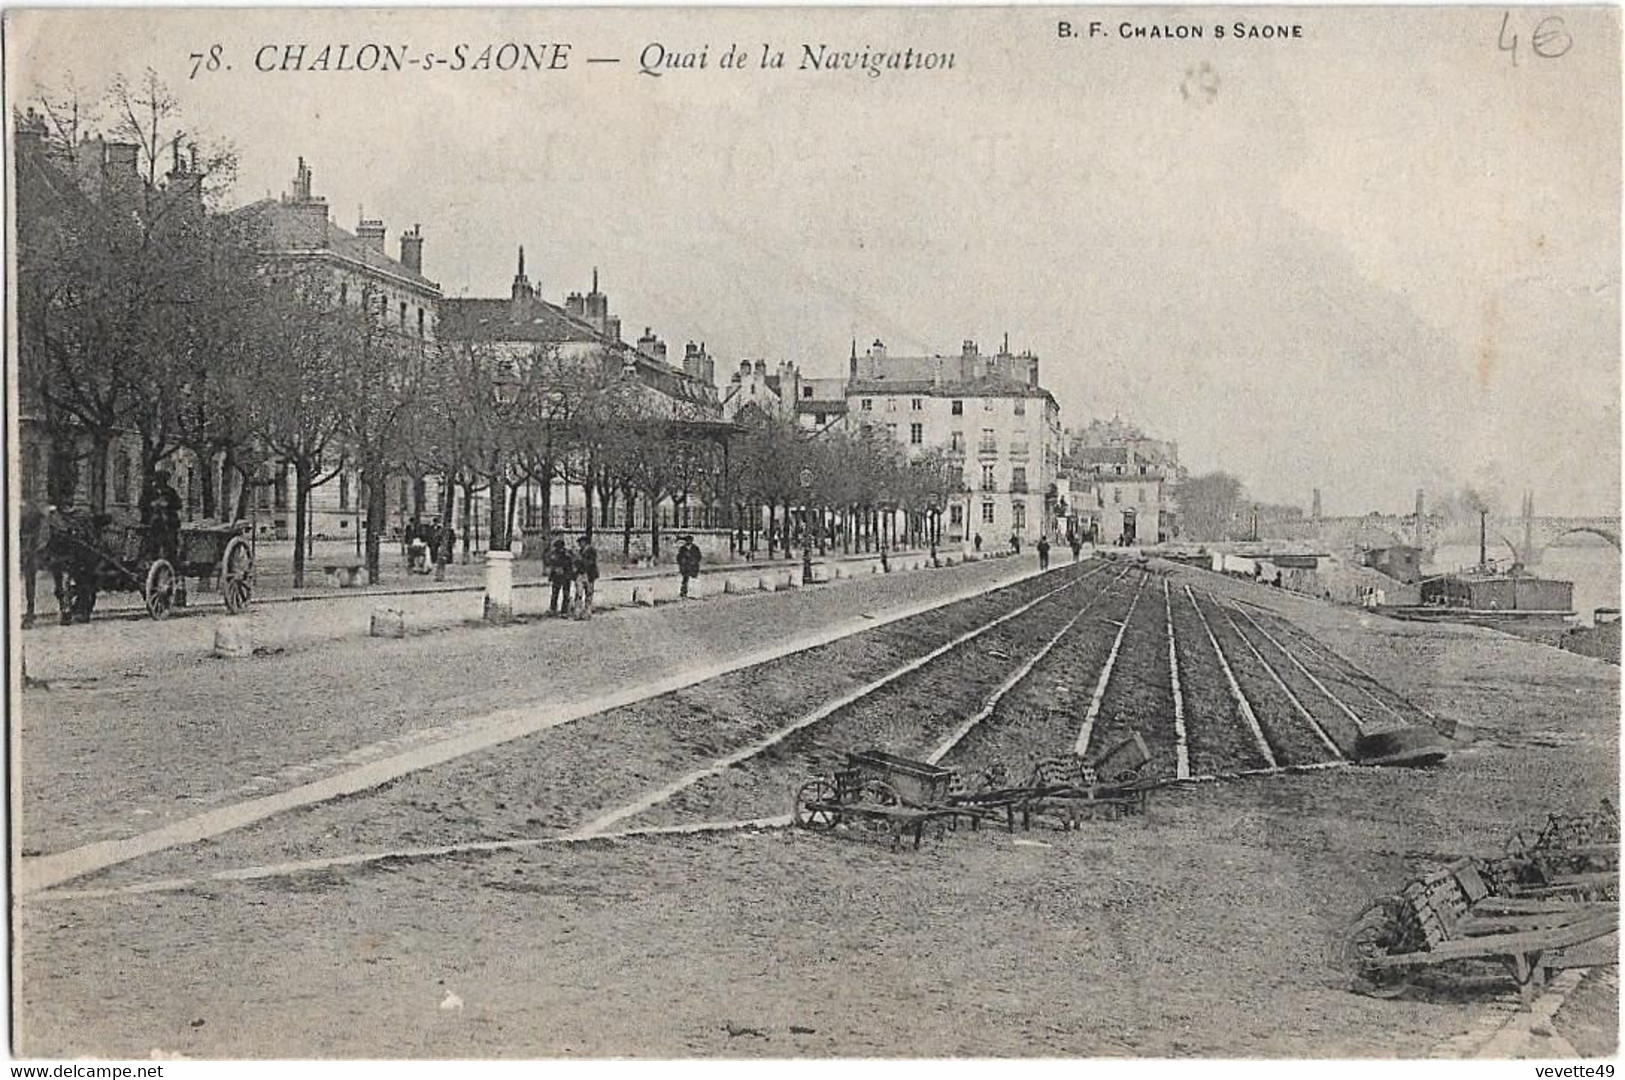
{"type": "Point", "coordinates": [160, 590]}
{"type": "Point", "coordinates": [237, 575]}
{"type": "Point", "coordinates": [808, 814]}
{"type": "Point", "coordinates": [1127, 776]}
{"type": "Point", "coordinates": [1376, 932]}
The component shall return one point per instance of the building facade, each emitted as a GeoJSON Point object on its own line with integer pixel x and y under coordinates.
{"type": "Point", "coordinates": [298, 231]}
{"type": "Point", "coordinates": [988, 413]}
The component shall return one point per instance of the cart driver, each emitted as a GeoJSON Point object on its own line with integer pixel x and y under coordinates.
{"type": "Point", "coordinates": [161, 516]}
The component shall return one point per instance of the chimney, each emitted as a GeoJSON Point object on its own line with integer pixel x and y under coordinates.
{"type": "Point", "coordinates": [412, 249]}
{"type": "Point", "coordinates": [651, 346]}
{"type": "Point", "coordinates": [301, 183]}
{"type": "Point", "coordinates": [761, 368]}
{"type": "Point", "coordinates": [371, 233]}
{"type": "Point", "coordinates": [968, 349]}
{"type": "Point", "coordinates": [521, 293]}
{"type": "Point", "coordinates": [576, 305]}
{"type": "Point", "coordinates": [1032, 371]}
{"type": "Point", "coordinates": [852, 371]}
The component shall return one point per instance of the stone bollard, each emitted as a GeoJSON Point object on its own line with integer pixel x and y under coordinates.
{"type": "Point", "coordinates": [768, 584]}
{"type": "Point", "coordinates": [387, 622]}
{"type": "Point", "coordinates": [643, 596]}
{"type": "Point", "coordinates": [787, 580]}
{"type": "Point", "coordinates": [731, 587]}
{"type": "Point", "coordinates": [231, 641]}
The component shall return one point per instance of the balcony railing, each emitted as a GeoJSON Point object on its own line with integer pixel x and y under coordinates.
{"type": "Point", "coordinates": [988, 485]}
{"type": "Point", "coordinates": [1019, 453]}
{"type": "Point", "coordinates": [987, 448]}
{"type": "Point", "coordinates": [1018, 487]}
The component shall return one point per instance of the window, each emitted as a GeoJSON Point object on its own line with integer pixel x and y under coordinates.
{"type": "Point", "coordinates": [987, 478]}
{"type": "Point", "coordinates": [403, 312]}
{"type": "Point", "coordinates": [1018, 515]}
{"type": "Point", "coordinates": [956, 514]}
{"type": "Point", "coordinates": [818, 418]}
{"type": "Point", "coordinates": [1117, 494]}
{"type": "Point", "coordinates": [956, 442]}
{"type": "Point", "coordinates": [891, 431]}
{"type": "Point", "coordinates": [868, 405]}
{"type": "Point", "coordinates": [916, 404]}
{"type": "Point", "coordinates": [958, 408]}
{"type": "Point", "coordinates": [989, 443]}
{"type": "Point", "coordinates": [806, 391]}
{"type": "Point", "coordinates": [891, 404]}
{"type": "Point", "coordinates": [916, 434]}
{"type": "Point", "coordinates": [987, 513]}
{"type": "Point", "coordinates": [344, 491]}
{"type": "Point", "coordinates": [1021, 406]}
{"type": "Point", "coordinates": [121, 478]}
{"type": "Point", "coordinates": [1018, 478]}
{"type": "Point", "coordinates": [420, 322]}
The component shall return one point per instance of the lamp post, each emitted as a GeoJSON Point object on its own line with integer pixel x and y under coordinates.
{"type": "Point", "coordinates": [806, 526]}
{"type": "Point", "coordinates": [498, 559]}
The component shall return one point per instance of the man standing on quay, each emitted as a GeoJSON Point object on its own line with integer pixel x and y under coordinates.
{"type": "Point", "coordinates": [586, 576]}
{"type": "Point", "coordinates": [560, 572]}
{"type": "Point", "coordinates": [688, 562]}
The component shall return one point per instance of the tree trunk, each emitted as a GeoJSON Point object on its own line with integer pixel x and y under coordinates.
{"type": "Point", "coordinates": [586, 493]}
{"type": "Point", "coordinates": [654, 526]}
{"type": "Point", "coordinates": [373, 480]}
{"type": "Point", "coordinates": [497, 490]}
{"type": "Point", "coordinates": [626, 531]}
{"type": "Point", "coordinates": [206, 471]}
{"type": "Point", "coordinates": [101, 445]}
{"type": "Point", "coordinates": [468, 519]}
{"type": "Point", "coordinates": [301, 496]}
{"type": "Point", "coordinates": [547, 515]}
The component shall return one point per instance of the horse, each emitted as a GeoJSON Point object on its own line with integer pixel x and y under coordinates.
{"type": "Point", "coordinates": [65, 543]}
{"type": "Point", "coordinates": [34, 533]}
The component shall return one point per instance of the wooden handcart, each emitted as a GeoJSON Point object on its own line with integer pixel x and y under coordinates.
{"type": "Point", "coordinates": [886, 791]}
{"type": "Point", "coordinates": [1574, 856]}
{"type": "Point", "coordinates": [1455, 914]}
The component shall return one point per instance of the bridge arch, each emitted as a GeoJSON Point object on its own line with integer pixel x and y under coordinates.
{"type": "Point", "coordinates": [1607, 534]}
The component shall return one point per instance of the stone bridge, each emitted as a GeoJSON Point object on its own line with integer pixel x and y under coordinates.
{"type": "Point", "coordinates": [1526, 537]}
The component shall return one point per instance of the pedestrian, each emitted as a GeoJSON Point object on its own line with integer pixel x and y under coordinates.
{"type": "Point", "coordinates": [1043, 553]}
{"type": "Point", "coordinates": [560, 572]}
{"type": "Point", "coordinates": [1015, 544]}
{"type": "Point", "coordinates": [978, 542]}
{"type": "Point", "coordinates": [1077, 547]}
{"type": "Point", "coordinates": [688, 563]}
{"type": "Point", "coordinates": [586, 576]}
{"type": "Point", "coordinates": [161, 516]}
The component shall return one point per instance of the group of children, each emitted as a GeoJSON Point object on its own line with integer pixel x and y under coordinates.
{"type": "Point", "coordinates": [573, 577]}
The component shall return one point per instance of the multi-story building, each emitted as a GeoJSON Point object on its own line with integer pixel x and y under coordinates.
{"type": "Point", "coordinates": [298, 231]}
{"type": "Point", "coordinates": [583, 331]}
{"type": "Point", "coordinates": [753, 387]}
{"type": "Point", "coordinates": [988, 412]}
{"type": "Point", "coordinates": [1116, 497]}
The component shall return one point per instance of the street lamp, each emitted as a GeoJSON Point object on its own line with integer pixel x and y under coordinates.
{"type": "Point", "coordinates": [806, 526]}
{"type": "Point", "coordinates": [498, 559]}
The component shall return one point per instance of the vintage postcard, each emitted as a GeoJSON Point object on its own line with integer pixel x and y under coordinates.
{"type": "Point", "coordinates": [765, 532]}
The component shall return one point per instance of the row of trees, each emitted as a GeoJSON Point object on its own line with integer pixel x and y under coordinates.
{"type": "Point", "coordinates": [146, 312]}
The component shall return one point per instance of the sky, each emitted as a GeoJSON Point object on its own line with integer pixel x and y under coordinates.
{"type": "Point", "coordinates": [1379, 257]}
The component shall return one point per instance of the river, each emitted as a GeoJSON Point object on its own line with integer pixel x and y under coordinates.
{"type": "Point", "coordinates": [1592, 566]}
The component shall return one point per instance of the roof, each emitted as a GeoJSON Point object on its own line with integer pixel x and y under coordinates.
{"type": "Point", "coordinates": [988, 386]}
{"type": "Point", "coordinates": [1100, 455]}
{"type": "Point", "coordinates": [821, 405]}
{"type": "Point", "coordinates": [292, 230]}
{"type": "Point", "coordinates": [494, 320]}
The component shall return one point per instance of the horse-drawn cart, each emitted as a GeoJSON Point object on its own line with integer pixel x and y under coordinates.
{"type": "Point", "coordinates": [120, 557]}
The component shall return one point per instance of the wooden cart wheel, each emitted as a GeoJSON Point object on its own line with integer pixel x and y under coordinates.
{"type": "Point", "coordinates": [807, 814]}
{"type": "Point", "coordinates": [1375, 932]}
{"type": "Point", "coordinates": [237, 575]}
{"type": "Point", "coordinates": [160, 589]}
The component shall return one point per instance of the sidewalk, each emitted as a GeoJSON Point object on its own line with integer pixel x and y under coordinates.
{"type": "Point", "coordinates": [273, 582]}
